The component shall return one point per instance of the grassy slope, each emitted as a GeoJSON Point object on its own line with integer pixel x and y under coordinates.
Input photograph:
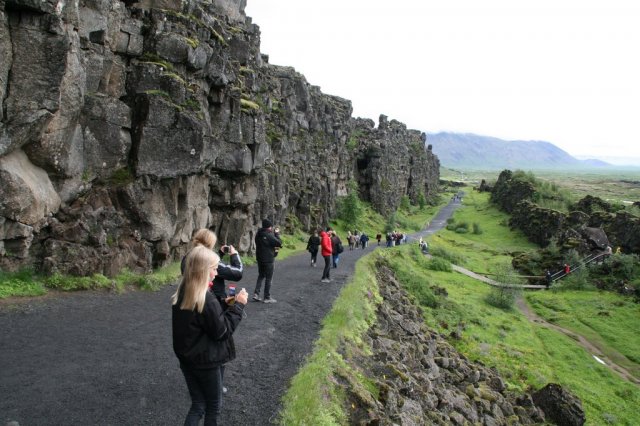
{"type": "Point", "coordinates": [527, 355]}
{"type": "Point", "coordinates": [606, 319]}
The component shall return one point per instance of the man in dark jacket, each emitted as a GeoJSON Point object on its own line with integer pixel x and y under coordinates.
{"type": "Point", "coordinates": [267, 242]}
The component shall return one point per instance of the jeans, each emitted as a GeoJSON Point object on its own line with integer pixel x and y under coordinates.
{"type": "Point", "coordinates": [336, 259]}
{"type": "Point", "coordinates": [205, 389]}
{"type": "Point", "coordinates": [265, 272]}
{"type": "Point", "coordinates": [327, 267]}
{"type": "Point", "coordinates": [314, 256]}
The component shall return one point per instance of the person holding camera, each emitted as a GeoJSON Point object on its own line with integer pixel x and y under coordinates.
{"type": "Point", "coordinates": [203, 334]}
{"type": "Point", "coordinates": [232, 271]}
{"type": "Point", "coordinates": [267, 245]}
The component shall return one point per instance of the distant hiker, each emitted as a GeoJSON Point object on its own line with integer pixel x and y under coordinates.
{"type": "Point", "coordinates": [364, 240]}
{"type": "Point", "coordinates": [567, 269]}
{"type": "Point", "coordinates": [389, 239]}
{"type": "Point", "coordinates": [336, 248]}
{"type": "Point", "coordinates": [326, 251]}
{"type": "Point", "coordinates": [424, 248]}
{"type": "Point", "coordinates": [378, 237]}
{"type": "Point", "coordinates": [267, 242]}
{"type": "Point", "coordinates": [203, 334]}
{"type": "Point", "coordinates": [350, 240]}
{"type": "Point", "coordinates": [548, 278]}
{"type": "Point", "coordinates": [312, 247]}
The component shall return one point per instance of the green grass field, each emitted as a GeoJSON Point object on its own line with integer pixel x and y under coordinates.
{"type": "Point", "coordinates": [606, 319]}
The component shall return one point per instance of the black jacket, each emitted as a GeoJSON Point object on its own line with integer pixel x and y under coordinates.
{"type": "Point", "coordinates": [266, 243]}
{"type": "Point", "coordinates": [335, 240]}
{"type": "Point", "coordinates": [313, 243]}
{"type": "Point", "coordinates": [231, 272]}
{"type": "Point", "coordinates": [205, 340]}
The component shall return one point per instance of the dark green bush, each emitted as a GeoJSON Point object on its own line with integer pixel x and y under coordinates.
{"type": "Point", "coordinates": [476, 229]}
{"type": "Point", "coordinates": [439, 264]}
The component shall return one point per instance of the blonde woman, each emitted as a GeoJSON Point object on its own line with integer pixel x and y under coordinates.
{"type": "Point", "coordinates": [202, 237]}
{"type": "Point", "coordinates": [202, 334]}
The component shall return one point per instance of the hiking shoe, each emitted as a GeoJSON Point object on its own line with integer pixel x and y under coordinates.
{"type": "Point", "coordinates": [270, 300]}
{"type": "Point", "coordinates": [256, 297]}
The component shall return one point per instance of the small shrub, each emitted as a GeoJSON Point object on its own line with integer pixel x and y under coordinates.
{"type": "Point", "coordinates": [461, 230]}
{"type": "Point", "coordinates": [422, 201]}
{"type": "Point", "coordinates": [502, 297]}
{"type": "Point", "coordinates": [439, 264]}
{"type": "Point", "coordinates": [452, 257]}
{"type": "Point", "coordinates": [476, 229]}
{"type": "Point", "coordinates": [405, 204]}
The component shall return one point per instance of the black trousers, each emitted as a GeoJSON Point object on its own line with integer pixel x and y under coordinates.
{"type": "Point", "coordinates": [327, 267]}
{"type": "Point", "coordinates": [265, 272]}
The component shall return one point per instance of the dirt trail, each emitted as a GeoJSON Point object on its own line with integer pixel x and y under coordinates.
{"type": "Point", "coordinates": [594, 350]}
{"type": "Point", "coordinates": [106, 359]}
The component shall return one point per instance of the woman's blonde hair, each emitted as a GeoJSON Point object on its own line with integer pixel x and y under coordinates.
{"type": "Point", "coordinates": [204, 237]}
{"type": "Point", "coordinates": [195, 282]}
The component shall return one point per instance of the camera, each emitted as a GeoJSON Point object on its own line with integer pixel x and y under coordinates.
{"type": "Point", "coordinates": [225, 249]}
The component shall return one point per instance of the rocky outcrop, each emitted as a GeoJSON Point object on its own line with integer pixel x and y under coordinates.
{"type": "Point", "coordinates": [559, 405]}
{"type": "Point", "coordinates": [128, 124]}
{"type": "Point", "coordinates": [422, 379]}
{"type": "Point", "coordinates": [540, 225]}
{"type": "Point", "coordinates": [507, 192]}
{"type": "Point", "coordinates": [591, 226]}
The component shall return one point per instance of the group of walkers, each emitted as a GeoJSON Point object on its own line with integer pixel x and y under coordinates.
{"type": "Point", "coordinates": [329, 244]}
{"type": "Point", "coordinates": [206, 312]}
{"type": "Point", "coordinates": [395, 238]}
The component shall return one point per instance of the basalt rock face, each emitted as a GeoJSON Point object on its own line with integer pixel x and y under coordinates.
{"type": "Point", "coordinates": [128, 124]}
{"type": "Point", "coordinates": [422, 379]}
{"type": "Point", "coordinates": [591, 226]}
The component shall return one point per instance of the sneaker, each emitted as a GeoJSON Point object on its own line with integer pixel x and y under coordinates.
{"type": "Point", "coordinates": [325, 280]}
{"type": "Point", "coordinates": [224, 390]}
{"type": "Point", "coordinates": [256, 297]}
{"type": "Point", "coordinates": [269, 300]}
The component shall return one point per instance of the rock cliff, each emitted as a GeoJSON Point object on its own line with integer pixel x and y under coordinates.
{"type": "Point", "coordinates": [128, 124]}
{"type": "Point", "coordinates": [590, 226]}
{"type": "Point", "coordinates": [421, 379]}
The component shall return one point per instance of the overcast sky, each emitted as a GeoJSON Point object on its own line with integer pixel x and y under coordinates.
{"type": "Point", "coordinates": [562, 71]}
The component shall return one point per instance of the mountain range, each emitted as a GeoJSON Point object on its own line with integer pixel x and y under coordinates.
{"type": "Point", "coordinates": [468, 150]}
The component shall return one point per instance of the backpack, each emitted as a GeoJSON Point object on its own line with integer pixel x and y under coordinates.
{"type": "Point", "coordinates": [340, 248]}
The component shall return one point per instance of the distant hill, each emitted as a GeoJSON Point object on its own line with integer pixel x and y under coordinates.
{"type": "Point", "coordinates": [484, 152]}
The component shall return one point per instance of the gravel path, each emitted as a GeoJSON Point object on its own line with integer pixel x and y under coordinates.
{"type": "Point", "coordinates": [106, 359]}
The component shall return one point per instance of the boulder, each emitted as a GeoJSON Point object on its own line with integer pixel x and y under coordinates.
{"type": "Point", "coordinates": [26, 194]}
{"type": "Point", "coordinates": [559, 405]}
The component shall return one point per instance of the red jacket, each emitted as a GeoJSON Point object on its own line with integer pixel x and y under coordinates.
{"type": "Point", "coordinates": [325, 243]}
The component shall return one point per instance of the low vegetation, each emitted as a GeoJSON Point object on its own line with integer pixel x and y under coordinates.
{"type": "Point", "coordinates": [314, 397]}
{"type": "Point", "coordinates": [28, 283]}
{"type": "Point", "coordinates": [526, 354]}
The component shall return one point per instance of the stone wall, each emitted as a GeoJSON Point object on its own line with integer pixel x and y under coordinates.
{"type": "Point", "coordinates": [126, 125]}
{"type": "Point", "coordinates": [421, 379]}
